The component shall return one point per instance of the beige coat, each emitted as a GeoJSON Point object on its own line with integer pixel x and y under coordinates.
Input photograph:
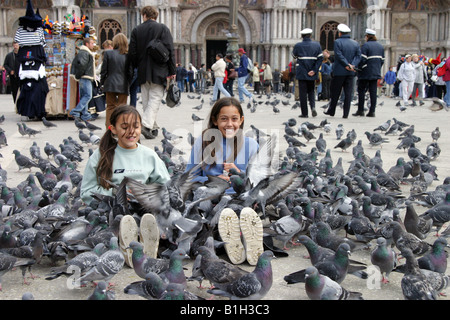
{"type": "Point", "coordinates": [219, 68]}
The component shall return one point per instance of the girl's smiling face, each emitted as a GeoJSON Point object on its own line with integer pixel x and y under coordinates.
{"type": "Point", "coordinates": [128, 131]}
{"type": "Point", "coordinates": [228, 121]}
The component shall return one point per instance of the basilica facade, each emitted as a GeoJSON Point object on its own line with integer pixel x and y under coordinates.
{"type": "Point", "coordinates": [267, 29]}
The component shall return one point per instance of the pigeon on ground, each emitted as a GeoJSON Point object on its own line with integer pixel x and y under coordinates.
{"type": "Point", "coordinates": [414, 283]}
{"type": "Point", "coordinates": [23, 161]}
{"type": "Point", "coordinates": [151, 288]}
{"type": "Point", "coordinates": [439, 213]}
{"type": "Point", "coordinates": [287, 227]}
{"type": "Point", "coordinates": [8, 262]}
{"type": "Point", "coordinates": [360, 225]}
{"type": "Point", "coordinates": [143, 264]}
{"type": "Point", "coordinates": [339, 131]}
{"type": "Point", "coordinates": [84, 138]}
{"type": "Point", "coordinates": [21, 129]}
{"type": "Point", "coordinates": [196, 118]}
{"type": "Point", "coordinates": [35, 151]}
{"type": "Point", "coordinates": [344, 144]}
{"type": "Point", "coordinates": [170, 136]}
{"type": "Point", "coordinates": [175, 272]}
{"type": "Point", "coordinates": [94, 139]}
{"type": "Point", "coordinates": [289, 131]}
{"type": "Point", "coordinates": [436, 259]}
{"type": "Point", "coordinates": [47, 123]}
{"type": "Point", "coordinates": [435, 134]}
{"type": "Point", "coordinates": [384, 126]}
{"type": "Point", "coordinates": [375, 139]}
{"type": "Point", "coordinates": [438, 104]}
{"type": "Point", "coordinates": [176, 291]}
{"type": "Point", "coordinates": [107, 266]}
{"type": "Point", "coordinates": [91, 127]}
{"type": "Point", "coordinates": [414, 224]}
{"type": "Point", "coordinates": [81, 262]}
{"type": "Point", "coordinates": [384, 258]}
{"type": "Point", "coordinates": [404, 239]}
{"type": "Point", "coordinates": [252, 286]}
{"type": "Point", "coordinates": [321, 287]}
{"type": "Point", "coordinates": [397, 171]}
{"type": "Point", "coordinates": [101, 292]}
{"type": "Point", "coordinates": [321, 144]}
{"type": "Point", "coordinates": [30, 131]}
{"type": "Point", "coordinates": [394, 129]}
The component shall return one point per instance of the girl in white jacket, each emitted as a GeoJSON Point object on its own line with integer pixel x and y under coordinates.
{"type": "Point", "coordinates": [407, 76]}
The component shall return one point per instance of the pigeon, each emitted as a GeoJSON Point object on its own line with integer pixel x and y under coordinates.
{"type": "Point", "coordinates": [8, 262]}
{"type": "Point", "coordinates": [84, 137]}
{"type": "Point", "coordinates": [321, 287]}
{"type": "Point", "coordinates": [143, 264]}
{"type": "Point", "coordinates": [436, 259]}
{"type": "Point", "coordinates": [91, 127]}
{"type": "Point", "coordinates": [289, 131]}
{"type": "Point", "coordinates": [21, 129]}
{"type": "Point", "coordinates": [217, 271]}
{"type": "Point", "coordinates": [107, 265]}
{"type": "Point", "coordinates": [360, 225]}
{"type": "Point", "coordinates": [175, 272]}
{"type": "Point", "coordinates": [439, 213]}
{"type": "Point", "coordinates": [344, 144]}
{"type": "Point", "coordinates": [321, 144]}
{"type": "Point", "coordinates": [35, 151]}
{"type": "Point", "coordinates": [170, 136]}
{"type": "Point", "coordinates": [384, 258]}
{"type": "Point", "coordinates": [308, 135]}
{"type": "Point", "coordinates": [23, 161]}
{"type": "Point", "coordinates": [404, 239]}
{"type": "Point", "coordinates": [80, 124]}
{"type": "Point", "coordinates": [394, 129]}
{"type": "Point", "coordinates": [30, 131]}
{"type": "Point", "coordinates": [316, 253]}
{"type": "Point", "coordinates": [94, 139]}
{"type": "Point", "coordinates": [375, 139]}
{"type": "Point", "coordinates": [397, 171]}
{"type": "Point", "coordinates": [433, 151]}
{"type": "Point", "coordinates": [196, 118]}
{"type": "Point", "coordinates": [50, 150]}
{"type": "Point", "coordinates": [435, 134]}
{"type": "Point", "coordinates": [322, 234]}
{"type": "Point", "coordinates": [3, 139]}
{"type": "Point", "coordinates": [252, 286]}
{"type": "Point", "coordinates": [414, 283]}
{"type": "Point", "coordinates": [199, 107]}
{"type": "Point", "coordinates": [438, 104]}
{"type": "Point", "coordinates": [81, 263]}
{"type": "Point", "coordinates": [152, 288]}
{"type": "Point", "coordinates": [47, 123]}
{"type": "Point", "coordinates": [420, 227]}
{"type": "Point", "coordinates": [295, 142]}
{"type": "Point", "coordinates": [339, 131]}
{"type": "Point", "coordinates": [176, 291]}
{"type": "Point", "coordinates": [384, 126]}
{"type": "Point", "coordinates": [287, 227]}
{"type": "Point", "coordinates": [101, 292]}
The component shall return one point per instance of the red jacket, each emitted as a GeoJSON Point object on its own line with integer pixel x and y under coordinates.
{"type": "Point", "coordinates": [446, 76]}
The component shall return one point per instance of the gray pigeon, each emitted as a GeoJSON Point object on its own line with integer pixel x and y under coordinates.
{"type": "Point", "coordinates": [252, 286]}
{"type": "Point", "coordinates": [143, 264]}
{"type": "Point", "coordinates": [435, 134]}
{"type": "Point", "coordinates": [196, 118]}
{"type": "Point", "coordinates": [339, 131]}
{"type": "Point", "coordinates": [84, 137]}
{"type": "Point", "coordinates": [8, 262]}
{"type": "Point", "coordinates": [152, 288]}
{"type": "Point", "coordinates": [30, 131]}
{"type": "Point", "coordinates": [107, 266]}
{"type": "Point", "coordinates": [23, 161]}
{"type": "Point", "coordinates": [384, 126]}
{"type": "Point", "coordinates": [414, 224]}
{"type": "Point", "coordinates": [375, 139]}
{"type": "Point", "coordinates": [287, 227]}
{"type": "Point", "coordinates": [320, 287]}
{"type": "Point", "coordinates": [344, 144]}
{"type": "Point", "coordinates": [384, 258]}
{"type": "Point", "coordinates": [176, 291]}
{"type": "Point", "coordinates": [321, 144]}
{"type": "Point", "coordinates": [175, 272]}
{"type": "Point", "coordinates": [47, 123]}
{"type": "Point", "coordinates": [101, 292]}
{"type": "Point", "coordinates": [436, 259]}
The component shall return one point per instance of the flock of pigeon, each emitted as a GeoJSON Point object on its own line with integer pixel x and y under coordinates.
{"type": "Point", "coordinates": [309, 199]}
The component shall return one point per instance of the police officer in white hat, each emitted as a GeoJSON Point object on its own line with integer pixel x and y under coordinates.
{"type": "Point", "coordinates": [369, 71]}
{"type": "Point", "coordinates": [347, 55]}
{"type": "Point", "coordinates": [308, 59]}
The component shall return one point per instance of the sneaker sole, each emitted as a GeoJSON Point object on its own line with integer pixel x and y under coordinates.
{"type": "Point", "coordinates": [230, 233]}
{"type": "Point", "coordinates": [128, 232]}
{"type": "Point", "coordinates": [149, 235]}
{"type": "Point", "coordinates": [252, 232]}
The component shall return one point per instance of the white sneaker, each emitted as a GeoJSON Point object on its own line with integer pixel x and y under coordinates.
{"type": "Point", "coordinates": [149, 235]}
{"type": "Point", "coordinates": [252, 232]}
{"type": "Point", "coordinates": [128, 231]}
{"type": "Point", "coordinates": [230, 232]}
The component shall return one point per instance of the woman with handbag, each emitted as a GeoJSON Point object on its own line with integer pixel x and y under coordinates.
{"type": "Point", "coordinates": [232, 74]}
{"type": "Point", "coordinates": [116, 75]}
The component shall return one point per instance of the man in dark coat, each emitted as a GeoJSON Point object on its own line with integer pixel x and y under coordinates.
{"type": "Point", "coordinates": [347, 57]}
{"type": "Point", "coordinates": [11, 66]}
{"type": "Point", "coordinates": [308, 56]}
{"type": "Point", "coordinates": [372, 59]}
{"type": "Point", "coordinates": [152, 76]}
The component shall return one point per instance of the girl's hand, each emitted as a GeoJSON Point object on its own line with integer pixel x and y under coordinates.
{"type": "Point", "coordinates": [228, 166]}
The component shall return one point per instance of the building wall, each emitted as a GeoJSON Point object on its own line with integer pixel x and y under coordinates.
{"type": "Point", "coordinates": [268, 29]}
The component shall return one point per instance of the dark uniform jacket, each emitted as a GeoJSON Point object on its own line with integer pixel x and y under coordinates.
{"type": "Point", "coordinates": [346, 51]}
{"type": "Point", "coordinates": [372, 59]}
{"type": "Point", "coordinates": [308, 56]}
{"type": "Point", "coordinates": [116, 72]}
{"type": "Point", "coordinates": [148, 70]}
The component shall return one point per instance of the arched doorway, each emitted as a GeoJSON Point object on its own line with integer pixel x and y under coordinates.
{"type": "Point", "coordinates": [216, 41]}
{"type": "Point", "coordinates": [328, 33]}
{"type": "Point", "coordinates": [108, 29]}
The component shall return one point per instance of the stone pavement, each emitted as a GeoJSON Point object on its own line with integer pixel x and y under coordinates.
{"type": "Point", "coordinates": [178, 120]}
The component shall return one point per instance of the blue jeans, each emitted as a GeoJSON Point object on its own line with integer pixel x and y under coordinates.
{"type": "Point", "coordinates": [219, 86]}
{"type": "Point", "coordinates": [447, 95]}
{"type": "Point", "coordinates": [81, 110]}
{"type": "Point", "coordinates": [242, 90]}
{"type": "Point", "coordinates": [181, 85]}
